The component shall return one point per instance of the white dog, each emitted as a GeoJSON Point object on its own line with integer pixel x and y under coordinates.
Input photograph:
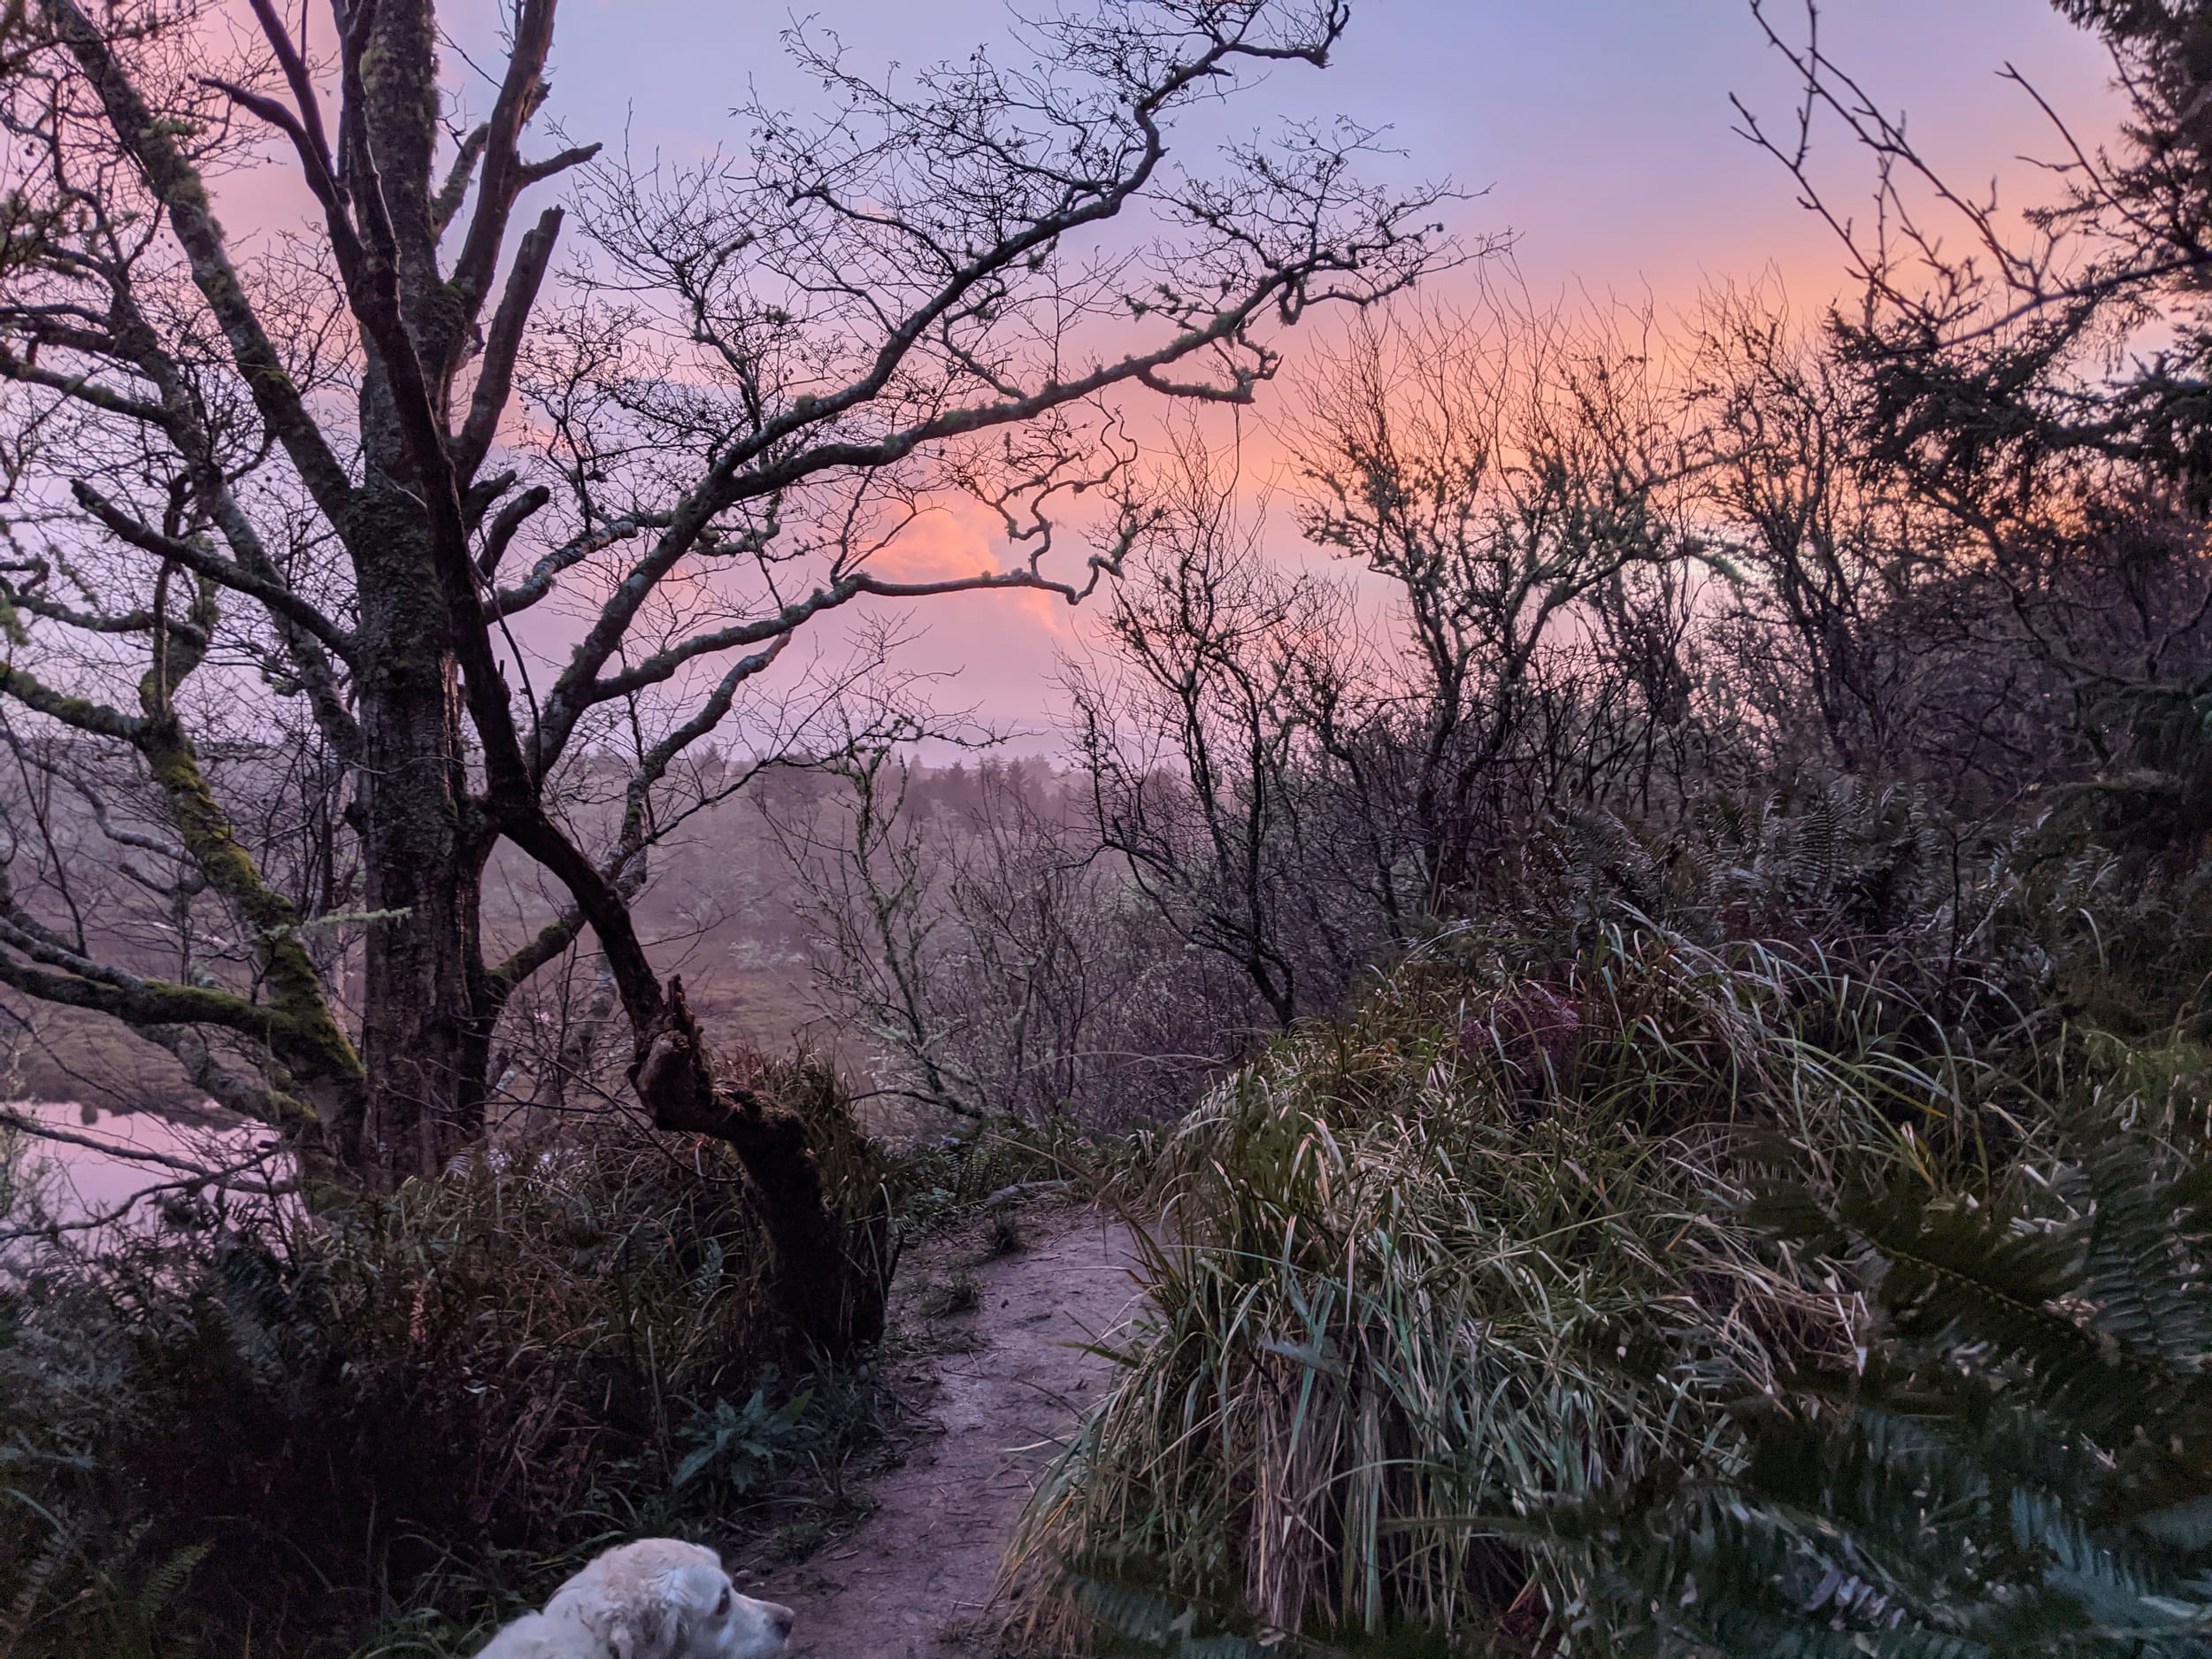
{"type": "Point", "coordinates": [656, 1599]}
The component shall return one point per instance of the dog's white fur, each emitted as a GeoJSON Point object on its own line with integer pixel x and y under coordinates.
{"type": "Point", "coordinates": [656, 1599]}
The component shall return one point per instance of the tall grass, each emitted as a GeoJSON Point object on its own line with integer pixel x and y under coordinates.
{"type": "Point", "coordinates": [1479, 1246]}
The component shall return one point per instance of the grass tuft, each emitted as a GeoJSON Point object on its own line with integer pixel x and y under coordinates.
{"type": "Point", "coordinates": [1479, 1247]}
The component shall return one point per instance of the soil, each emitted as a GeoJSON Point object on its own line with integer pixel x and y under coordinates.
{"type": "Point", "coordinates": [998, 1380]}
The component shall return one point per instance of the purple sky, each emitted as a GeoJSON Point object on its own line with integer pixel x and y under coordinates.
{"type": "Point", "coordinates": [1600, 127]}
{"type": "Point", "coordinates": [1600, 131]}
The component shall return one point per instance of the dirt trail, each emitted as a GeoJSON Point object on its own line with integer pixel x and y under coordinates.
{"type": "Point", "coordinates": [915, 1581]}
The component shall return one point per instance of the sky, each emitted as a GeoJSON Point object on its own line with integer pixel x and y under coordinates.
{"type": "Point", "coordinates": [1599, 133]}
{"type": "Point", "coordinates": [1600, 129]}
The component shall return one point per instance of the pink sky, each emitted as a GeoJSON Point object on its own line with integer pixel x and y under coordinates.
{"type": "Point", "coordinates": [1598, 131]}
{"type": "Point", "coordinates": [1600, 127]}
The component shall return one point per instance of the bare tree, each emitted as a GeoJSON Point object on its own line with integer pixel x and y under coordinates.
{"type": "Point", "coordinates": [1297, 774]}
{"type": "Point", "coordinates": [1195, 729]}
{"type": "Point", "coordinates": [1078, 1002]}
{"type": "Point", "coordinates": [1831, 560]}
{"type": "Point", "coordinates": [968, 926]}
{"type": "Point", "coordinates": [1506, 475]}
{"type": "Point", "coordinates": [872, 872]}
{"type": "Point", "coordinates": [289, 472]}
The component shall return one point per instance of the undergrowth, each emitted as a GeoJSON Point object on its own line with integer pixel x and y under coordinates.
{"type": "Point", "coordinates": [234, 1427]}
{"type": "Point", "coordinates": [1485, 1249]}
{"type": "Point", "coordinates": [1473, 1247]}
{"type": "Point", "coordinates": [2018, 1462]}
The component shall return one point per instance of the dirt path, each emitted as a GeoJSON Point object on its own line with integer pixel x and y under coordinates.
{"type": "Point", "coordinates": [915, 1581]}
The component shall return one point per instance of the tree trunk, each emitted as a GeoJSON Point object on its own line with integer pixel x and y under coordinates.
{"type": "Point", "coordinates": [832, 1271]}
{"type": "Point", "coordinates": [424, 1059]}
{"type": "Point", "coordinates": [422, 1044]}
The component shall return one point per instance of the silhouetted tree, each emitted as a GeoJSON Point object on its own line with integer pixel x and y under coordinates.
{"type": "Point", "coordinates": [281, 484]}
{"type": "Point", "coordinates": [2037, 384]}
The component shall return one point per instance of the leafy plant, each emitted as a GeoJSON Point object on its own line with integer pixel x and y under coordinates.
{"type": "Point", "coordinates": [94, 1596]}
{"type": "Point", "coordinates": [2024, 1465]}
{"type": "Point", "coordinates": [738, 1447]}
{"type": "Point", "coordinates": [410, 1416]}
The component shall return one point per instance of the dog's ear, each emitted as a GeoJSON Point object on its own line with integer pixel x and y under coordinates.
{"type": "Point", "coordinates": [640, 1633]}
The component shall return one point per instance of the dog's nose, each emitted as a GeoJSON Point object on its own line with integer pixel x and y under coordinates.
{"type": "Point", "coordinates": [782, 1618]}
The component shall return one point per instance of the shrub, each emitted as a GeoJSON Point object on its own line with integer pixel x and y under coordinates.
{"type": "Point", "coordinates": [435, 1398]}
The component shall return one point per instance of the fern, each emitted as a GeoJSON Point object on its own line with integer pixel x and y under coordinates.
{"type": "Point", "coordinates": [2024, 1466]}
{"type": "Point", "coordinates": [100, 1584]}
{"type": "Point", "coordinates": [62, 1543]}
{"type": "Point", "coordinates": [160, 1587]}
{"type": "Point", "coordinates": [2139, 1236]}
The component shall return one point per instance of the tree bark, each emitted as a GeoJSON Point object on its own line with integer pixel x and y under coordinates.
{"type": "Point", "coordinates": [424, 1086]}
{"type": "Point", "coordinates": [832, 1267]}
{"type": "Point", "coordinates": [423, 1042]}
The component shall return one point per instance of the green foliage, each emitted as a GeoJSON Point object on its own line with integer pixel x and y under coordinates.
{"type": "Point", "coordinates": [435, 1403]}
{"type": "Point", "coordinates": [1487, 1247]}
{"type": "Point", "coordinates": [1841, 862]}
{"type": "Point", "coordinates": [736, 1447]}
{"type": "Point", "coordinates": [114, 1602]}
{"type": "Point", "coordinates": [2023, 1464]}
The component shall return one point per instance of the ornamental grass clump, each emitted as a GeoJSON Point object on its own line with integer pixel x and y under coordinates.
{"type": "Point", "coordinates": [1476, 1249]}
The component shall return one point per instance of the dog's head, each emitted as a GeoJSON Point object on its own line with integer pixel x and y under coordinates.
{"type": "Point", "coordinates": [659, 1599]}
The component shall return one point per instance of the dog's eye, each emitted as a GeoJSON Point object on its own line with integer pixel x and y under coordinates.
{"type": "Point", "coordinates": [723, 1605]}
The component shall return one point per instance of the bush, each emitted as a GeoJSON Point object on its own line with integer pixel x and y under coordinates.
{"type": "Point", "coordinates": [433, 1399]}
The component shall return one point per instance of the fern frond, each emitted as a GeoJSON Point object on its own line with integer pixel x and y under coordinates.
{"type": "Point", "coordinates": [162, 1583]}
{"type": "Point", "coordinates": [2138, 1272]}
{"type": "Point", "coordinates": [1955, 1278]}
{"type": "Point", "coordinates": [2023, 1467]}
{"type": "Point", "coordinates": [61, 1544]}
